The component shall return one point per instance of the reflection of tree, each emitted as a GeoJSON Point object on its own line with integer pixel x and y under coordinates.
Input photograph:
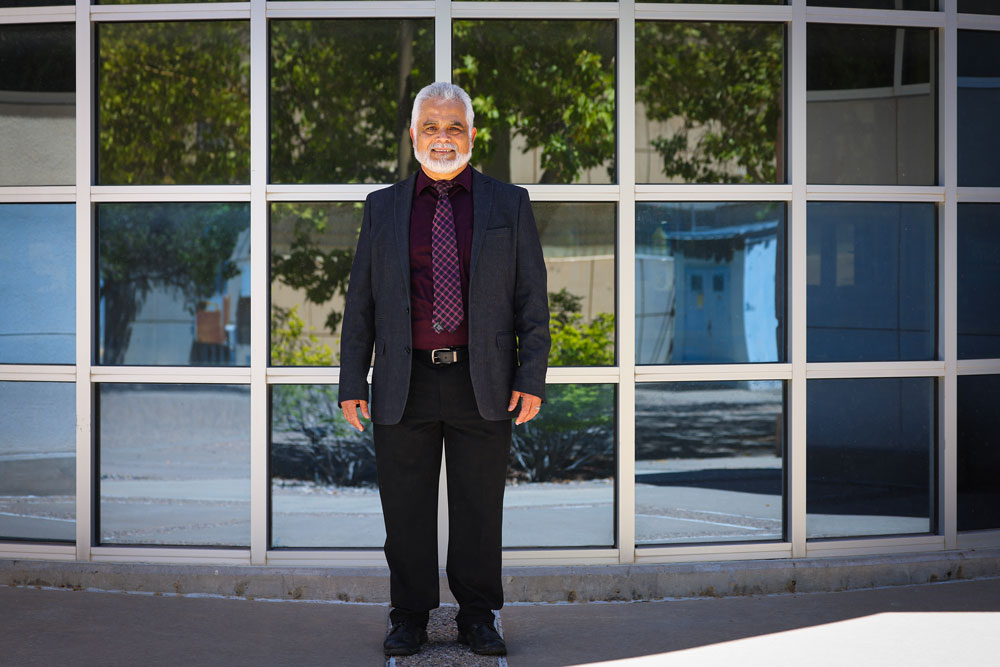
{"type": "Point", "coordinates": [181, 247]}
{"type": "Point", "coordinates": [724, 82]}
{"type": "Point", "coordinates": [552, 83]}
{"type": "Point", "coordinates": [174, 102]}
{"type": "Point", "coordinates": [575, 342]}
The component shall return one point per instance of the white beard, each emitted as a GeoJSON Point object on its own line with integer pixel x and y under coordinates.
{"type": "Point", "coordinates": [438, 165]}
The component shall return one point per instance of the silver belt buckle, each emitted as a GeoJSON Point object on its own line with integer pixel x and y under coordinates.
{"type": "Point", "coordinates": [447, 356]}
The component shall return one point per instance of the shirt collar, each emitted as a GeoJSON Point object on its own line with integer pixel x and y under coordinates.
{"type": "Point", "coordinates": [464, 180]}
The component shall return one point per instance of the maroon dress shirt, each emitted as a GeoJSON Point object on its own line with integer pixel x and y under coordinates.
{"type": "Point", "coordinates": [421, 272]}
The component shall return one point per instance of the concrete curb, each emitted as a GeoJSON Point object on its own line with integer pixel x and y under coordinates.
{"type": "Point", "coordinates": [521, 584]}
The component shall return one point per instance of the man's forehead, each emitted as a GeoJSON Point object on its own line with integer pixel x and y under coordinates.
{"type": "Point", "coordinates": [442, 111]}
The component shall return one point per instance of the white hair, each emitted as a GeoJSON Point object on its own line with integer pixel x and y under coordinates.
{"type": "Point", "coordinates": [442, 90]}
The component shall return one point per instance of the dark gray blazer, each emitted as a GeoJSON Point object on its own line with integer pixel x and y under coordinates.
{"type": "Point", "coordinates": [508, 302]}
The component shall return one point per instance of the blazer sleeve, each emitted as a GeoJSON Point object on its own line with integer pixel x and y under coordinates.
{"type": "Point", "coordinates": [358, 328]}
{"type": "Point", "coordinates": [531, 305]}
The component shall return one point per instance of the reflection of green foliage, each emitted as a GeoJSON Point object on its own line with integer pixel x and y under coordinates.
{"type": "Point", "coordinates": [291, 345]}
{"type": "Point", "coordinates": [185, 247]}
{"type": "Point", "coordinates": [575, 342]}
{"type": "Point", "coordinates": [550, 82]}
{"type": "Point", "coordinates": [341, 93]}
{"type": "Point", "coordinates": [722, 79]}
{"type": "Point", "coordinates": [174, 102]}
{"type": "Point", "coordinates": [311, 440]}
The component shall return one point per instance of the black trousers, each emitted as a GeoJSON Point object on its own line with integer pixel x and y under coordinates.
{"type": "Point", "coordinates": [441, 407]}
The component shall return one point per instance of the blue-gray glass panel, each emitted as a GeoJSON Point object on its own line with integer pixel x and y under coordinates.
{"type": "Point", "coordinates": [709, 462]}
{"type": "Point", "coordinates": [870, 449]}
{"type": "Point", "coordinates": [978, 6]}
{"type": "Point", "coordinates": [710, 282]}
{"type": "Point", "coordinates": [978, 100]}
{"type": "Point", "coordinates": [324, 487]}
{"type": "Point", "coordinates": [173, 284]}
{"type": "Point", "coordinates": [38, 461]}
{"type": "Point", "coordinates": [174, 464]}
{"type": "Point", "coordinates": [978, 281]}
{"type": "Point", "coordinates": [37, 283]}
{"type": "Point", "coordinates": [561, 477]}
{"type": "Point", "coordinates": [871, 280]}
{"type": "Point", "coordinates": [978, 452]}
{"type": "Point", "coordinates": [871, 105]}
{"type": "Point", "coordinates": [37, 102]}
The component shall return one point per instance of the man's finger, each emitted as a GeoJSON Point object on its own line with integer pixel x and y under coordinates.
{"type": "Point", "coordinates": [514, 395]}
{"type": "Point", "coordinates": [364, 410]}
{"type": "Point", "coordinates": [534, 405]}
{"type": "Point", "coordinates": [526, 412]}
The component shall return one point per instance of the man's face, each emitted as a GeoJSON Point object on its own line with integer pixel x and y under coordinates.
{"type": "Point", "coordinates": [442, 142]}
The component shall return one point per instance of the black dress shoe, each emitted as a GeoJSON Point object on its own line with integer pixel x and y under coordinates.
{"type": "Point", "coordinates": [483, 639]}
{"type": "Point", "coordinates": [404, 639]}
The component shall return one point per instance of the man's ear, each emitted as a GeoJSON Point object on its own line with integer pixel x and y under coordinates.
{"type": "Point", "coordinates": [472, 137]}
{"type": "Point", "coordinates": [413, 137]}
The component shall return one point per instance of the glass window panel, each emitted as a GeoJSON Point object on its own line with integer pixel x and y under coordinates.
{"type": "Point", "coordinates": [331, 128]}
{"type": "Point", "coordinates": [870, 451]}
{"type": "Point", "coordinates": [37, 283]}
{"type": "Point", "coordinates": [173, 103]}
{"type": "Point", "coordinates": [37, 102]}
{"type": "Point", "coordinates": [578, 241]}
{"type": "Point", "coordinates": [978, 100]}
{"type": "Point", "coordinates": [978, 281]}
{"type": "Point", "coordinates": [38, 461]}
{"type": "Point", "coordinates": [324, 484]}
{"type": "Point", "coordinates": [877, 4]}
{"type": "Point", "coordinates": [978, 452]}
{"type": "Point", "coordinates": [174, 464]}
{"type": "Point", "coordinates": [710, 282]}
{"type": "Point", "coordinates": [871, 281]}
{"type": "Point", "coordinates": [709, 462]}
{"type": "Point", "coordinates": [736, 134]}
{"type": "Point", "coordinates": [978, 6]}
{"type": "Point", "coordinates": [871, 105]}
{"type": "Point", "coordinates": [174, 284]}
{"type": "Point", "coordinates": [561, 477]}
{"type": "Point", "coordinates": [544, 97]}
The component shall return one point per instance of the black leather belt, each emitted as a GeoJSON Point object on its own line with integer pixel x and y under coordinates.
{"type": "Point", "coordinates": [442, 356]}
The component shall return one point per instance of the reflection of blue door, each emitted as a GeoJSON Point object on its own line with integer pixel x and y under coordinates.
{"type": "Point", "coordinates": [707, 320]}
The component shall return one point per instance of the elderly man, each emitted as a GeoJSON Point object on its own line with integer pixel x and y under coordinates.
{"type": "Point", "coordinates": [448, 288]}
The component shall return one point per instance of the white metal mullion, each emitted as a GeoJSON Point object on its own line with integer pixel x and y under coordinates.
{"type": "Point", "coordinates": [259, 286]}
{"type": "Point", "coordinates": [535, 10]}
{"type": "Point", "coordinates": [896, 193]}
{"type": "Point", "coordinates": [85, 506]}
{"type": "Point", "coordinates": [796, 282]}
{"type": "Point", "coordinates": [171, 12]}
{"type": "Point", "coordinates": [374, 9]}
{"type": "Point", "coordinates": [897, 17]}
{"type": "Point", "coordinates": [62, 14]}
{"type": "Point", "coordinates": [626, 281]}
{"type": "Point", "coordinates": [647, 11]}
{"type": "Point", "coordinates": [169, 193]}
{"type": "Point", "coordinates": [978, 366]}
{"type": "Point", "coordinates": [38, 193]}
{"type": "Point", "coordinates": [978, 22]}
{"type": "Point", "coordinates": [699, 192]}
{"type": "Point", "coordinates": [29, 373]}
{"type": "Point", "coordinates": [874, 369]}
{"type": "Point", "coordinates": [442, 40]}
{"type": "Point", "coordinates": [713, 372]}
{"type": "Point", "coordinates": [979, 195]}
{"type": "Point", "coordinates": [948, 285]}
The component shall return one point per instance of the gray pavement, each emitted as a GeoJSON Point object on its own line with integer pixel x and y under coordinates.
{"type": "Point", "coordinates": [943, 624]}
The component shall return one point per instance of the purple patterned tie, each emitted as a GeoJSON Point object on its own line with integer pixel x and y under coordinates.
{"type": "Point", "coordinates": [448, 311]}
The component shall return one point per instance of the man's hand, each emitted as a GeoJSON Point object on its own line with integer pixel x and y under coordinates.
{"type": "Point", "coordinates": [350, 409]}
{"type": "Point", "coordinates": [530, 405]}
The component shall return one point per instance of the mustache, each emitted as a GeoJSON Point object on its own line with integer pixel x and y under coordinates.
{"type": "Point", "coordinates": [446, 145]}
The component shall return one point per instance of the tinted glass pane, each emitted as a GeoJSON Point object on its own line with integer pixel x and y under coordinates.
{"type": "Point", "coordinates": [38, 460]}
{"type": "Point", "coordinates": [708, 462]}
{"type": "Point", "coordinates": [878, 4]}
{"type": "Point", "coordinates": [312, 247]}
{"type": "Point", "coordinates": [331, 128]}
{"type": "Point", "coordinates": [871, 105]}
{"type": "Point", "coordinates": [173, 102]}
{"type": "Point", "coordinates": [978, 452]}
{"type": "Point", "coordinates": [561, 477]}
{"type": "Point", "coordinates": [37, 283]}
{"type": "Point", "coordinates": [979, 6]}
{"type": "Point", "coordinates": [174, 284]}
{"type": "Point", "coordinates": [544, 97]}
{"type": "Point", "coordinates": [324, 489]}
{"type": "Point", "coordinates": [736, 134]}
{"type": "Point", "coordinates": [578, 240]}
{"type": "Point", "coordinates": [174, 464]}
{"type": "Point", "coordinates": [978, 99]}
{"type": "Point", "coordinates": [710, 282]}
{"type": "Point", "coordinates": [870, 457]}
{"type": "Point", "coordinates": [871, 276]}
{"type": "Point", "coordinates": [978, 281]}
{"type": "Point", "coordinates": [37, 103]}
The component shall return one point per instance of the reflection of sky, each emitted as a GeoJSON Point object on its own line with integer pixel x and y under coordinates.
{"type": "Point", "coordinates": [37, 418]}
{"type": "Point", "coordinates": [759, 321]}
{"type": "Point", "coordinates": [38, 283]}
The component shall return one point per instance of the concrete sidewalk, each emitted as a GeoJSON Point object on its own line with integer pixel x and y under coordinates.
{"type": "Point", "coordinates": [951, 623]}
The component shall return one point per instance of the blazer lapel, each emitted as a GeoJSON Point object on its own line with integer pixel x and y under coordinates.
{"type": "Point", "coordinates": [401, 223]}
{"type": "Point", "coordinates": [482, 204]}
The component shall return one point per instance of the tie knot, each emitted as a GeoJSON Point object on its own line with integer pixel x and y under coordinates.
{"type": "Point", "coordinates": [443, 187]}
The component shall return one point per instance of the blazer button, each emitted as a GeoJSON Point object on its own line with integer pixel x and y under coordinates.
{"type": "Point", "coordinates": [406, 309]}
{"type": "Point", "coordinates": [406, 349]}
